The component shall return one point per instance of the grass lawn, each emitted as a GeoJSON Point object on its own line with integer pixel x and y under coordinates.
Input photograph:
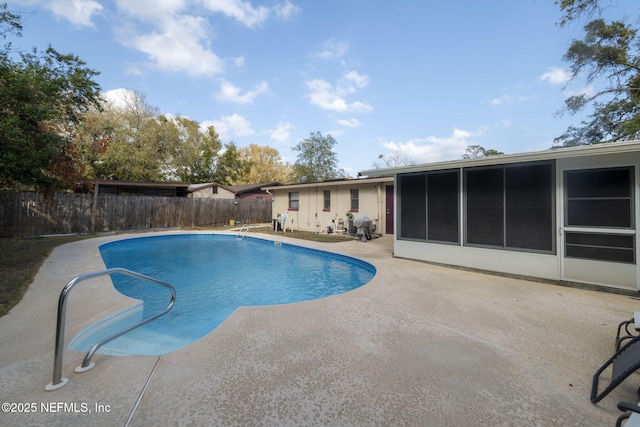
{"type": "Point", "coordinates": [19, 263]}
{"type": "Point", "coordinates": [21, 259]}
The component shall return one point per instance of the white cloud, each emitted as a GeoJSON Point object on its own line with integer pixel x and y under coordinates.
{"type": "Point", "coordinates": [239, 61]}
{"type": "Point", "coordinates": [281, 134]}
{"type": "Point", "coordinates": [332, 49]}
{"type": "Point", "coordinates": [507, 98]}
{"type": "Point", "coordinates": [151, 9]}
{"type": "Point", "coordinates": [246, 13]}
{"type": "Point", "coordinates": [587, 91]}
{"type": "Point", "coordinates": [178, 46]}
{"type": "Point", "coordinates": [556, 75]}
{"type": "Point", "coordinates": [435, 149]}
{"type": "Point", "coordinates": [286, 10]}
{"type": "Point", "coordinates": [79, 12]}
{"type": "Point", "coordinates": [351, 81]}
{"type": "Point", "coordinates": [352, 123]}
{"type": "Point", "coordinates": [328, 97]}
{"type": "Point", "coordinates": [231, 93]}
{"type": "Point", "coordinates": [504, 99]}
{"type": "Point", "coordinates": [230, 126]}
{"type": "Point", "coordinates": [119, 98]}
{"type": "Point", "coordinates": [177, 41]}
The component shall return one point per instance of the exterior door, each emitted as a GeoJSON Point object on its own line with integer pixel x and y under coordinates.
{"type": "Point", "coordinates": [389, 207]}
{"type": "Point", "coordinates": [598, 237]}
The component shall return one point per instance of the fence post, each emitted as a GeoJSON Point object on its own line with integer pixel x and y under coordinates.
{"type": "Point", "coordinates": [94, 207]}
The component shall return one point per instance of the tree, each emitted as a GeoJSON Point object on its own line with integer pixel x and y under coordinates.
{"type": "Point", "coordinates": [393, 159]}
{"type": "Point", "coordinates": [607, 55]}
{"type": "Point", "coordinates": [192, 152]}
{"type": "Point", "coordinates": [264, 165]}
{"type": "Point", "coordinates": [316, 159]}
{"type": "Point", "coordinates": [474, 151]}
{"type": "Point", "coordinates": [43, 97]}
{"type": "Point", "coordinates": [138, 142]}
{"type": "Point", "coordinates": [229, 166]}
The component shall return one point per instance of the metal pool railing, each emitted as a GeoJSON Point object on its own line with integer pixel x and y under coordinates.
{"type": "Point", "coordinates": [58, 381]}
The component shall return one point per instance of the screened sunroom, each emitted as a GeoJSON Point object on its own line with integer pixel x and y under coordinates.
{"type": "Point", "coordinates": [564, 214]}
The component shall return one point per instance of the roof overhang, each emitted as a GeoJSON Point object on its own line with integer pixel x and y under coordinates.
{"type": "Point", "coordinates": [551, 154]}
{"type": "Point", "coordinates": [337, 183]}
{"type": "Point", "coordinates": [123, 184]}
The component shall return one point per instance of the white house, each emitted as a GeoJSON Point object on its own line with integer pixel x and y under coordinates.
{"type": "Point", "coordinates": [316, 206]}
{"type": "Point", "coordinates": [567, 214]}
{"type": "Point", "coordinates": [211, 190]}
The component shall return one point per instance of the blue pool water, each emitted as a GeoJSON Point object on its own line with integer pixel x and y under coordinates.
{"type": "Point", "coordinates": [213, 275]}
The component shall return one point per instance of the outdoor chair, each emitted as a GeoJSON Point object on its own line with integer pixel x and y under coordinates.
{"type": "Point", "coordinates": [623, 363]}
{"type": "Point", "coordinates": [623, 329]}
{"type": "Point", "coordinates": [631, 414]}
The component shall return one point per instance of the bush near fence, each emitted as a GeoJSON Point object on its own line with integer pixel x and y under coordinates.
{"type": "Point", "coordinates": [30, 214]}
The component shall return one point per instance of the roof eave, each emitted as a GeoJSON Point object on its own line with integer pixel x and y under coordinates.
{"type": "Point", "coordinates": [550, 154]}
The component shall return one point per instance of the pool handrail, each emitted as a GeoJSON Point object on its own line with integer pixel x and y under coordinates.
{"type": "Point", "coordinates": [58, 381]}
{"type": "Point", "coordinates": [247, 229]}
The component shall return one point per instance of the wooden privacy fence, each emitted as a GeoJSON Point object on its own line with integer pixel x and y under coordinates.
{"type": "Point", "coordinates": [30, 214]}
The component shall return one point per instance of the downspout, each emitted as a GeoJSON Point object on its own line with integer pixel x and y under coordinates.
{"type": "Point", "coordinates": [273, 202]}
{"type": "Point", "coordinates": [381, 212]}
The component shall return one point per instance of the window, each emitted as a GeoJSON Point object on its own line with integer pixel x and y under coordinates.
{"type": "Point", "coordinates": [327, 200]}
{"type": "Point", "coordinates": [600, 199]}
{"type": "Point", "coordinates": [412, 203]}
{"type": "Point", "coordinates": [511, 206]}
{"type": "Point", "coordinates": [602, 247]}
{"type": "Point", "coordinates": [429, 206]}
{"type": "Point", "coordinates": [529, 207]}
{"type": "Point", "coordinates": [443, 189]}
{"type": "Point", "coordinates": [354, 200]}
{"type": "Point", "coordinates": [485, 206]}
{"type": "Point", "coordinates": [294, 201]}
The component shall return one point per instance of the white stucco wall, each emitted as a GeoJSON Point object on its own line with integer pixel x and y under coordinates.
{"type": "Point", "coordinates": [208, 193]}
{"type": "Point", "coordinates": [311, 215]}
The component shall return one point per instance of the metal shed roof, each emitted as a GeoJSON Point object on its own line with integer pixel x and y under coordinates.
{"type": "Point", "coordinates": [554, 153]}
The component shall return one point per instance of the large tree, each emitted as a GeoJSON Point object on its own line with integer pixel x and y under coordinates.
{"type": "Point", "coordinates": [607, 57]}
{"type": "Point", "coordinates": [138, 140]}
{"type": "Point", "coordinates": [229, 166]}
{"type": "Point", "coordinates": [316, 159]}
{"type": "Point", "coordinates": [264, 165]}
{"type": "Point", "coordinates": [43, 97]}
{"type": "Point", "coordinates": [192, 152]}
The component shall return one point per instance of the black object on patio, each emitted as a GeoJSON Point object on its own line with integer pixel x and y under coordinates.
{"type": "Point", "coordinates": [626, 406]}
{"type": "Point", "coordinates": [623, 363]}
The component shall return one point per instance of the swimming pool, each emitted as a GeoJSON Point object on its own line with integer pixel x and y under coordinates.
{"type": "Point", "coordinates": [213, 275]}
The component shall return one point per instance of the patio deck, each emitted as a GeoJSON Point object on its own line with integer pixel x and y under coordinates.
{"type": "Point", "coordinates": [418, 345]}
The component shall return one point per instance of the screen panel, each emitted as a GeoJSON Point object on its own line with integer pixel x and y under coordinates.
{"type": "Point", "coordinates": [485, 206]}
{"type": "Point", "coordinates": [529, 207]}
{"type": "Point", "coordinates": [443, 189]}
{"type": "Point", "coordinates": [412, 193]}
{"type": "Point", "coordinates": [599, 197]}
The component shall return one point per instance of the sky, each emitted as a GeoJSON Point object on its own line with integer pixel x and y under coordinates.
{"type": "Point", "coordinates": [425, 78]}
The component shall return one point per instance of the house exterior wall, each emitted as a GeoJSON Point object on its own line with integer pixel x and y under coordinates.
{"type": "Point", "coordinates": [311, 214]}
{"type": "Point", "coordinates": [209, 193]}
{"type": "Point", "coordinates": [253, 196]}
{"type": "Point", "coordinates": [555, 264]}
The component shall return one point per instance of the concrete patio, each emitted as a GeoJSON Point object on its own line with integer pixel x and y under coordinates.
{"type": "Point", "coordinates": [419, 345]}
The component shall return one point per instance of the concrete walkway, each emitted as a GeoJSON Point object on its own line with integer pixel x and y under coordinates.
{"type": "Point", "coordinates": [419, 345]}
